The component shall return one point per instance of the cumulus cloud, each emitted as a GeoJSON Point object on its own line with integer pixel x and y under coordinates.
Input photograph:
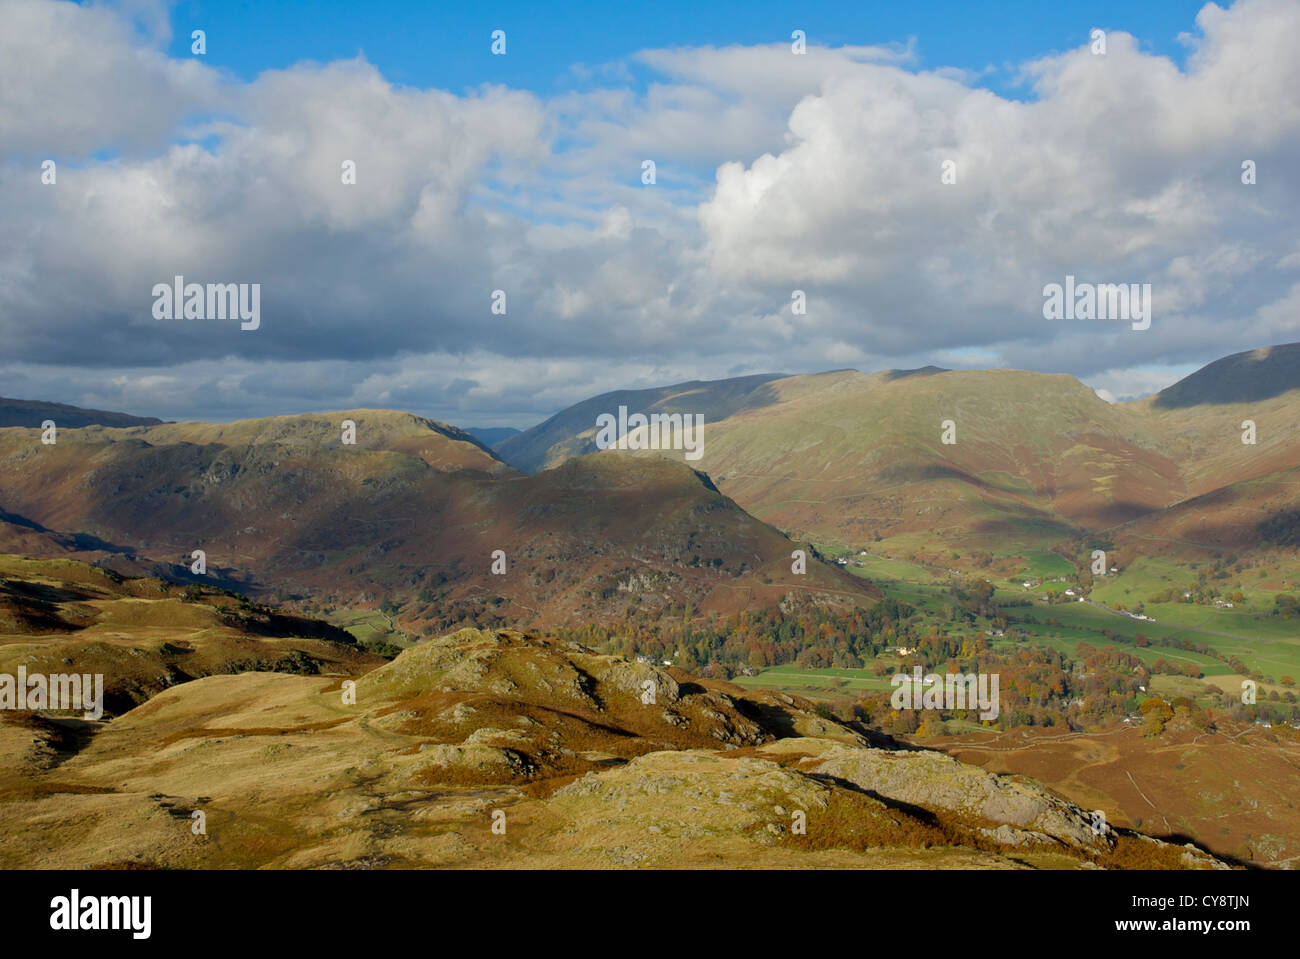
{"type": "Point", "coordinates": [78, 80]}
{"type": "Point", "coordinates": [775, 172]}
{"type": "Point", "coordinates": [1122, 170]}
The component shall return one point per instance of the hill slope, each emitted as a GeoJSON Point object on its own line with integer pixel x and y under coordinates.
{"type": "Point", "coordinates": [1246, 377]}
{"type": "Point", "coordinates": [146, 635]}
{"type": "Point", "coordinates": [413, 514]}
{"type": "Point", "coordinates": [572, 432]}
{"type": "Point", "coordinates": [501, 749]}
{"type": "Point", "coordinates": [843, 457]}
{"type": "Point", "coordinates": [32, 413]}
{"type": "Point", "coordinates": [492, 435]}
{"type": "Point", "coordinates": [1038, 460]}
{"type": "Point", "coordinates": [1238, 496]}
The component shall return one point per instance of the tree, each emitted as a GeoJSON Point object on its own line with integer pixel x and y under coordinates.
{"type": "Point", "coordinates": [930, 728]}
{"type": "Point", "coordinates": [1157, 707]}
{"type": "Point", "coordinates": [1155, 724]}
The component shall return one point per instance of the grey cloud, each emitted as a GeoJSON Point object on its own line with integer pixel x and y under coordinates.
{"type": "Point", "coordinates": [826, 178]}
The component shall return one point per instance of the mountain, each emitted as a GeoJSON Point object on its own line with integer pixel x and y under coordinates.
{"type": "Point", "coordinates": [32, 413]}
{"type": "Point", "coordinates": [845, 457]}
{"type": "Point", "coordinates": [572, 432]}
{"type": "Point", "coordinates": [412, 515]}
{"type": "Point", "coordinates": [145, 635]}
{"type": "Point", "coordinates": [1237, 496]}
{"type": "Point", "coordinates": [1248, 377]}
{"type": "Point", "coordinates": [1202, 418]}
{"type": "Point", "coordinates": [1038, 459]}
{"type": "Point", "coordinates": [438, 445]}
{"type": "Point", "coordinates": [491, 435]}
{"type": "Point", "coordinates": [504, 749]}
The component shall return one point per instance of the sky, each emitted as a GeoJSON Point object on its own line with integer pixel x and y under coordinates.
{"type": "Point", "coordinates": [921, 172]}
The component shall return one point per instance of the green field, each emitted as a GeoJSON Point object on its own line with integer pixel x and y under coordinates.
{"type": "Point", "coordinates": [368, 627]}
{"type": "Point", "coordinates": [1267, 643]}
{"type": "Point", "coordinates": [1044, 564]}
{"type": "Point", "coordinates": [815, 683]}
{"type": "Point", "coordinates": [1263, 641]}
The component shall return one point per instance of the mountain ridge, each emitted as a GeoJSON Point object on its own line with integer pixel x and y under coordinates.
{"type": "Point", "coordinates": [413, 513]}
{"type": "Point", "coordinates": [844, 456]}
{"type": "Point", "coordinates": [18, 412]}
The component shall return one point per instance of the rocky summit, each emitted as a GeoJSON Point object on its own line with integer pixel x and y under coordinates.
{"type": "Point", "coordinates": [497, 748]}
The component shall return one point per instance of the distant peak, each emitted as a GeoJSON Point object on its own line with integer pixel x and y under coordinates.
{"type": "Point", "coordinates": [1244, 377]}
{"type": "Point", "coordinates": [16, 412]}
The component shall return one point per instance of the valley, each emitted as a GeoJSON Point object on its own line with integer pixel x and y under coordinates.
{"type": "Point", "coordinates": [397, 621]}
{"type": "Point", "coordinates": [489, 748]}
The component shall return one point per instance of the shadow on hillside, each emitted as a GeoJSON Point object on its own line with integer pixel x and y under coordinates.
{"type": "Point", "coordinates": [892, 375]}
{"type": "Point", "coordinates": [65, 737]}
{"type": "Point", "coordinates": [1017, 527]}
{"type": "Point", "coordinates": [917, 472]}
{"type": "Point", "coordinates": [1281, 528]}
{"type": "Point", "coordinates": [1214, 527]}
{"type": "Point", "coordinates": [45, 594]}
{"type": "Point", "coordinates": [84, 541]}
{"type": "Point", "coordinates": [78, 541]}
{"type": "Point", "coordinates": [1242, 378]}
{"type": "Point", "coordinates": [919, 813]}
{"type": "Point", "coordinates": [1181, 839]}
{"type": "Point", "coordinates": [21, 521]}
{"type": "Point", "coordinates": [716, 399]}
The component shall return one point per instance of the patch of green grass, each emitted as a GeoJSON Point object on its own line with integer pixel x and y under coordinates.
{"type": "Point", "coordinates": [369, 627]}
{"type": "Point", "coordinates": [815, 683]}
{"type": "Point", "coordinates": [1262, 641]}
{"type": "Point", "coordinates": [1044, 564]}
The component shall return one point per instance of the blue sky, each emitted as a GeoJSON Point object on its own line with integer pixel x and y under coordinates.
{"type": "Point", "coordinates": [446, 45]}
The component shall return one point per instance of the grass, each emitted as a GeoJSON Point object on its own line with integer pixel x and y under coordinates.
{"type": "Point", "coordinates": [1262, 641]}
{"type": "Point", "coordinates": [368, 627]}
{"type": "Point", "coordinates": [810, 682]}
{"type": "Point", "coordinates": [1044, 564]}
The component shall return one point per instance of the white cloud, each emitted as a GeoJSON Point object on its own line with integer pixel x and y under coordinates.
{"type": "Point", "coordinates": [78, 79]}
{"type": "Point", "coordinates": [775, 172]}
